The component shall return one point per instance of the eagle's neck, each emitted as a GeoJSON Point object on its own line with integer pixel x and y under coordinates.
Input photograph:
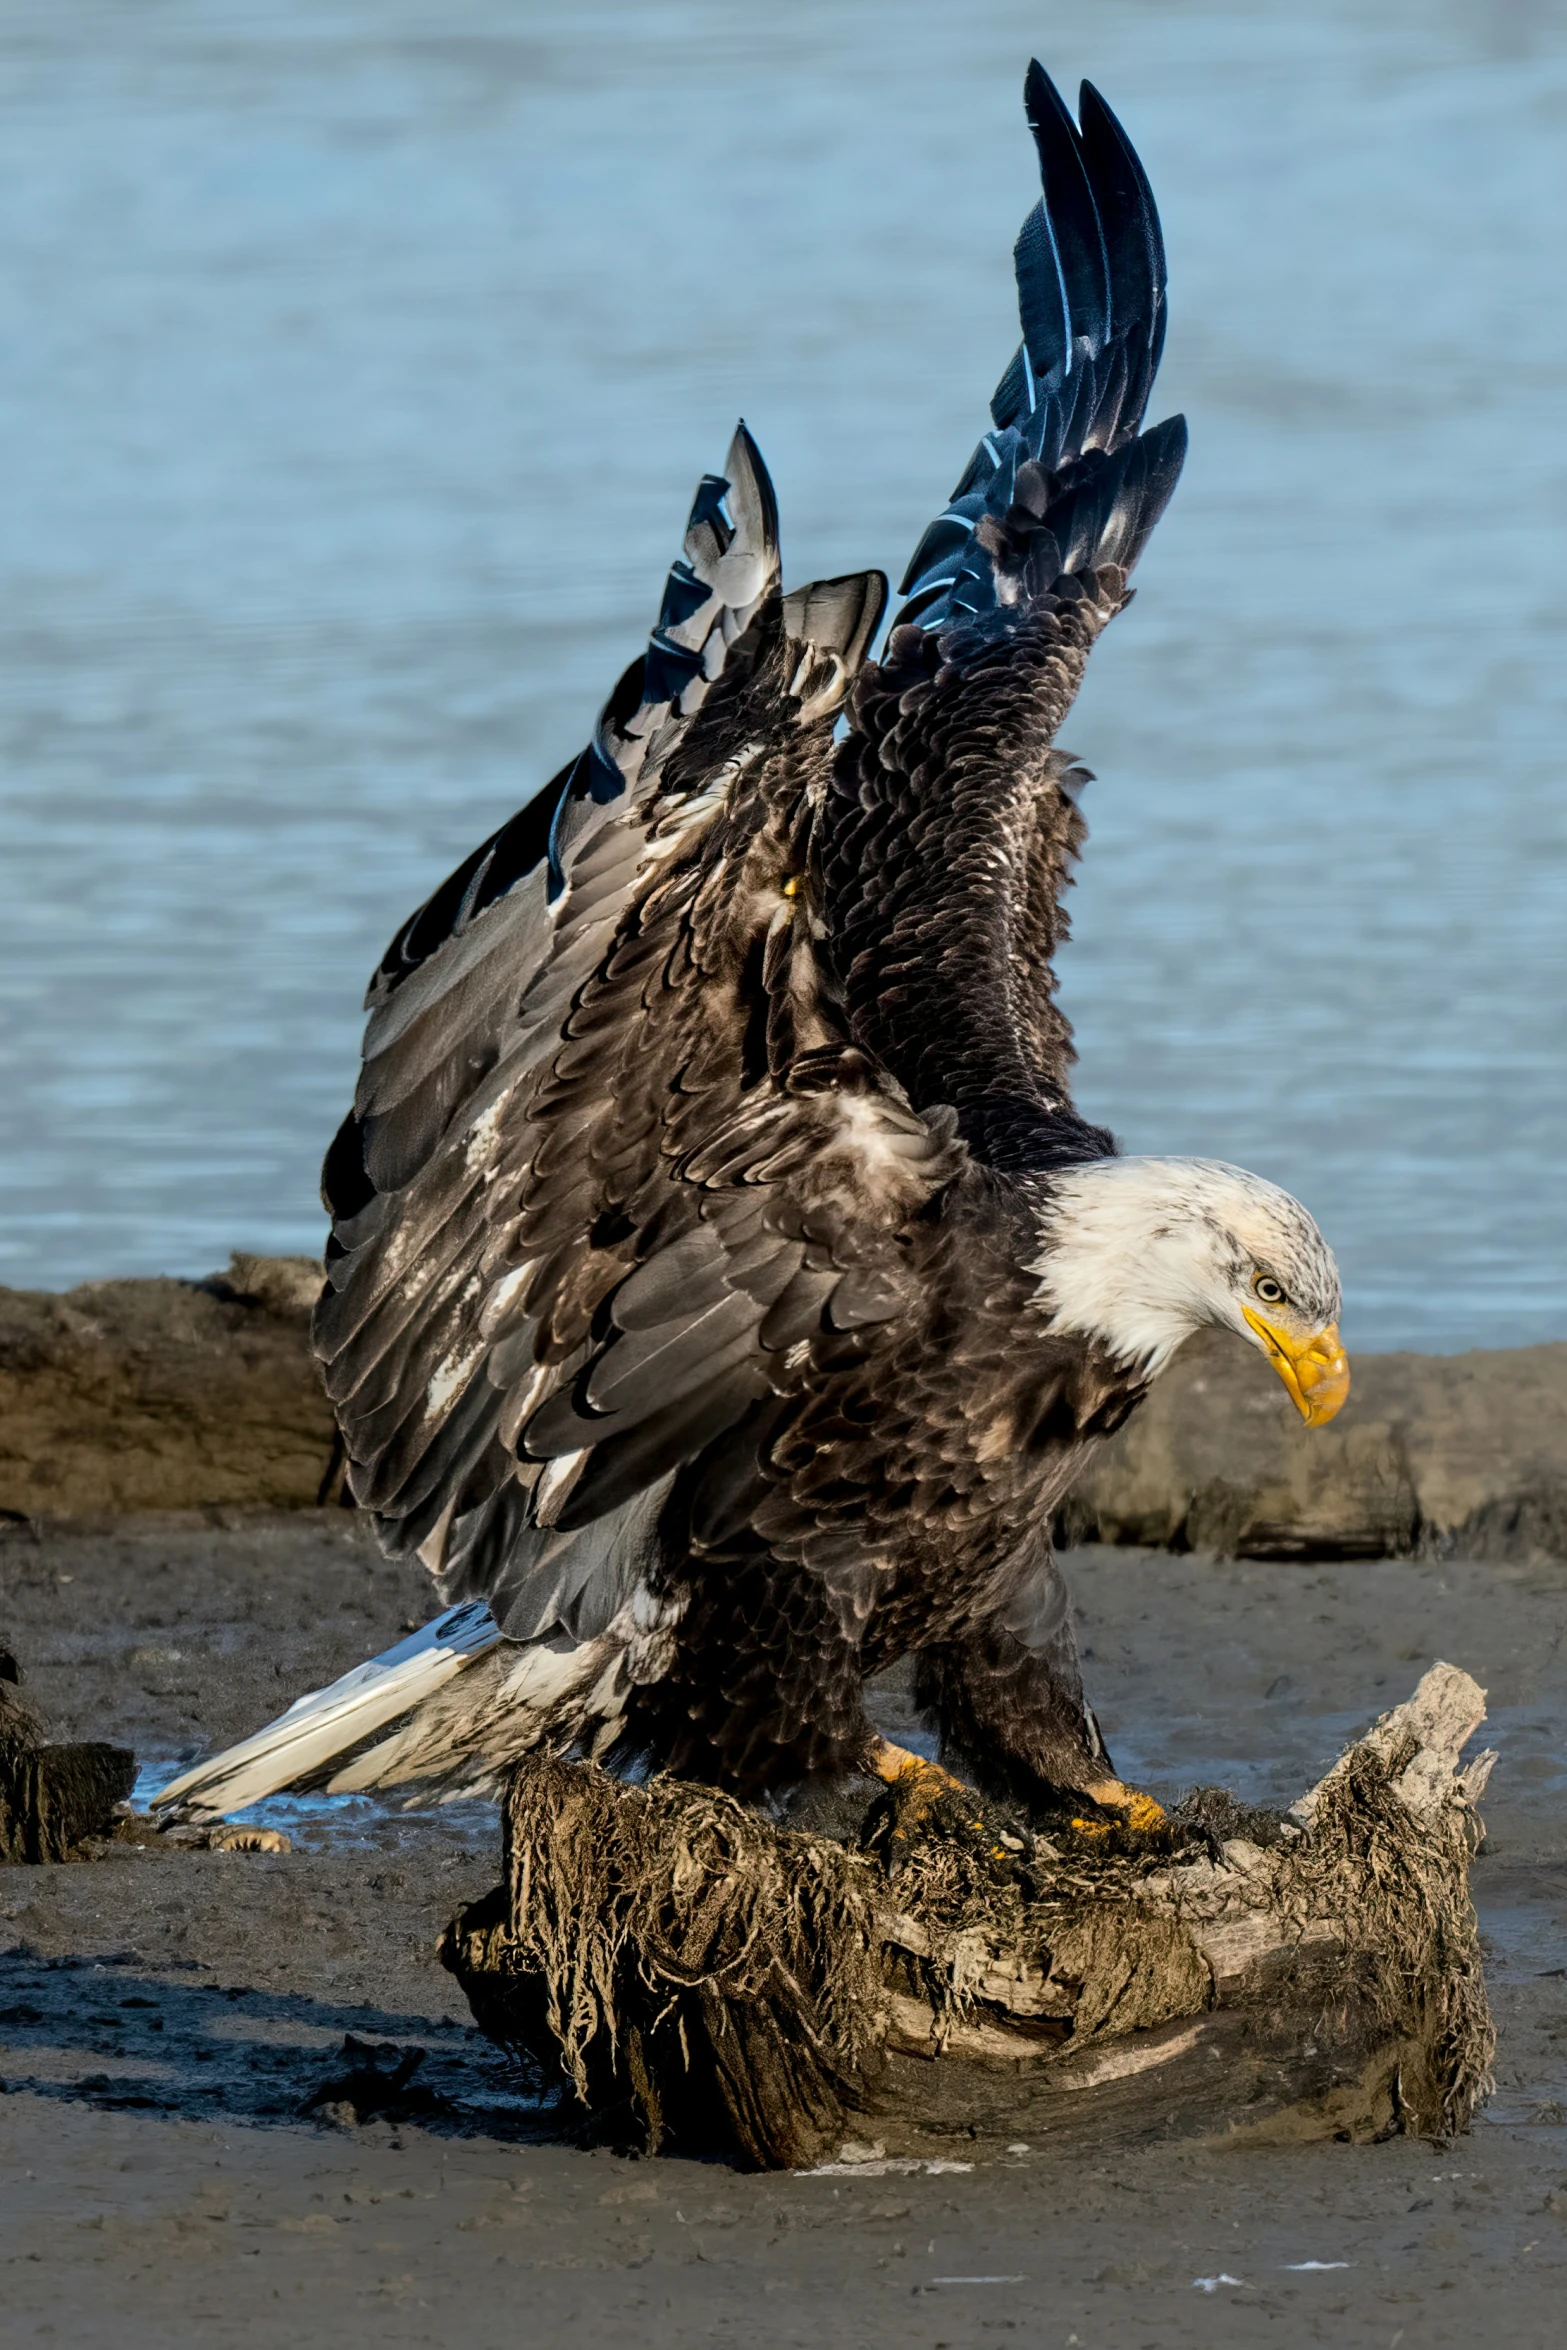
{"type": "Point", "coordinates": [1139, 1253]}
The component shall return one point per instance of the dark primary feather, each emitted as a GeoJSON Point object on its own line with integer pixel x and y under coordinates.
{"type": "Point", "coordinates": [1091, 297]}
{"type": "Point", "coordinates": [952, 823]}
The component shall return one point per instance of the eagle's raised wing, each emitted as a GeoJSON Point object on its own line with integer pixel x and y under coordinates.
{"type": "Point", "coordinates": [614, 1157]}
{"type": "Point", "coordinates": [952, 819]}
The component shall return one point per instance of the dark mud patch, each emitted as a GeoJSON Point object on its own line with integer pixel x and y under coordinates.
{"type": "Point", "coordinates": [118, 2033]}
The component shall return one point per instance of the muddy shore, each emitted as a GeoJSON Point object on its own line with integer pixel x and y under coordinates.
{"type": "Point", "coordinates": [127, 1396]}
{"type": "Point", "coordinates": [166, 2015]}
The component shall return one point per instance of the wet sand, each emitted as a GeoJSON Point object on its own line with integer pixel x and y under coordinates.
{"type": "Point", "coordinates": [164, 2015]}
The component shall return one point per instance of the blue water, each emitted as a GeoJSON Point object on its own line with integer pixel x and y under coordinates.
{"type": "Point", "coordinates": [356, 361]}
{"type": "Point", "coordinates": [349, 1823]}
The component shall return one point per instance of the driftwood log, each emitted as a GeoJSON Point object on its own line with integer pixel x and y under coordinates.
{"type": "Point", "coordinates": [52, 1798]}
{"type": "Point", "coordinates": [690, 1976]}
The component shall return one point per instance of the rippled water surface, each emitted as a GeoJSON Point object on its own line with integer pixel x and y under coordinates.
{"type": "Point", "coordinates": [349, 1823]}
{"type": "Point", "coordinates": [356, 362]}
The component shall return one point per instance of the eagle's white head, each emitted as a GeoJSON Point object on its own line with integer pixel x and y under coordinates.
{"type": "Point", "coordinates": [1139, 1253]}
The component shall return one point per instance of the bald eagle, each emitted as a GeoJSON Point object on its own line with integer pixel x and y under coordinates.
{"type": "Point", "coordinates": [722, 1290]}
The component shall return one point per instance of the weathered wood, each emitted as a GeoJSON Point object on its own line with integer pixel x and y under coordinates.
{"type": "Point", "coordinates": [1323, 1983]}
{"type": "Point", "coordinates": [52, 1798]}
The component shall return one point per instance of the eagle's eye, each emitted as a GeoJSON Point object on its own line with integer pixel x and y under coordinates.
{"type": "Point", "coordinates": [1269, 1291]}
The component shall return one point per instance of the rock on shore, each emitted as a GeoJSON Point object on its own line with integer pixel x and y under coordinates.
{"type": "Point", "coordinates": [129, 1396]}
{"type": "Point", "coordinates": [126, 1396]}
{"type": "Point", "coordinates": [1431, 1453]}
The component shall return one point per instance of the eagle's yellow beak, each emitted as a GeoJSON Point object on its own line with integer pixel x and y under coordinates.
{"type": "Point", "coordinates": [1315, 1370]}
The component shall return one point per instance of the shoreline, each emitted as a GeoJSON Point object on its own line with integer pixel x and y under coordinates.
{"type": "Point", "coordinates": [124, 1398]}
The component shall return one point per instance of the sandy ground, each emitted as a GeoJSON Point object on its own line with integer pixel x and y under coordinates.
{"type": "Point", "coordinates": [164, 2016]}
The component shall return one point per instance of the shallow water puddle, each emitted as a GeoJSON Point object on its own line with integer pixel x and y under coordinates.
{"type": "Point", "coordinates": [346, 1823]}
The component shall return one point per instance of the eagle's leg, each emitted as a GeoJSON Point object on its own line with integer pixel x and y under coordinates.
{"type": "Point", "coordinates": [1143, 1811]}
{"type": "Point", "coordinates": [898, 1766]}
{"type": "Point", "coordinates": [1012, 1716]}
{"type": "Point", "coordinates": [923, 1799]}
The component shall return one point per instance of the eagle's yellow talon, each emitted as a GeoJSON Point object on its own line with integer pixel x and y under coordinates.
{"type": "Point", "coordinates": [927, 1782]}
{"type": "Point", "coordinates": [1140, 1811]}
{"type": "Point", "coordinates": [230, 1839]}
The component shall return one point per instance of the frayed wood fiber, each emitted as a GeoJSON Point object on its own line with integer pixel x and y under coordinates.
{"type": "Point", "coordinates": [691, 1976]}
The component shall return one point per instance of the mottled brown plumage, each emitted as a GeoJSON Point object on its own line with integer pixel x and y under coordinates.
{"type": "Point", "coordinates": [659, 1254]}
{"type": "Point", "coordinates": [687, 1297]}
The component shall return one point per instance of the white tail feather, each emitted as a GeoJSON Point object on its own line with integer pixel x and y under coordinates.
{"type": "Point", "coordinates": [329, 1721]}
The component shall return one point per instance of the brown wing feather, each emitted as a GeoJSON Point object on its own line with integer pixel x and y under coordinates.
{"type": "Point", "coordinates": [947, 846]}
{"type": "Point", "coordinates": [603, 1136]}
